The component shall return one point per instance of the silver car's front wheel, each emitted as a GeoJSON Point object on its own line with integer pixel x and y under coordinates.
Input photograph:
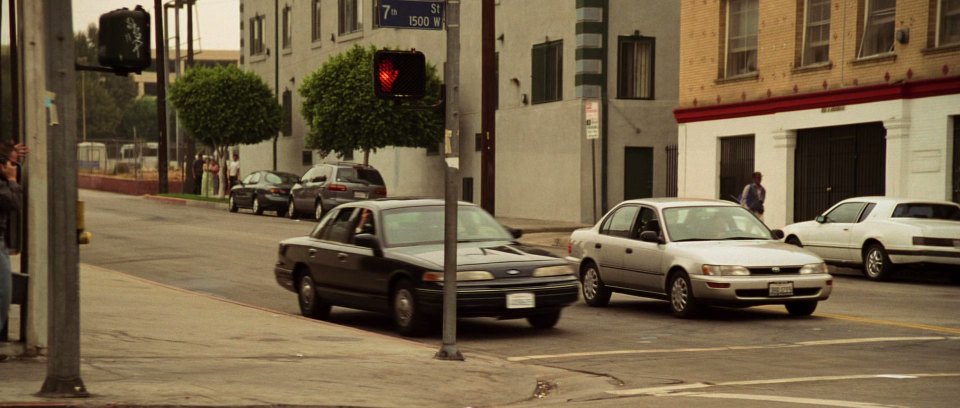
{"type": "Point", "coordinates": [682, 302]}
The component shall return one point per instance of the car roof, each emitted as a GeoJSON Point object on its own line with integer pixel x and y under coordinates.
{"type": "Point", "coordinates": [668, 202]}
{"type": "Point", "coordinates": [896, 200]}
{"type": "Point", "coordinates": [404, 202]}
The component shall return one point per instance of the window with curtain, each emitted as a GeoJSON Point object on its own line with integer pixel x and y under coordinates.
{"type": "Point", "coordinates": [742, 22]}
{"type": "Point", "coordinates": [635, 76]}
{"type": "Point", "coordinates": [948, 31]}
{"type": "Point", "coordinates": [287, 28]}
{"type": "Point", "coordinates": [349, 16]}
{"type": "Point", "coordinates": [878, 27]}
{"type": "Point", "coordinates": [816, 38]}
{"type": "Point", "coordinates": [547, 72]}
{"type": "Point", "coordinates": [315, 33]}
{"type": "Point", "coordinates": [256, 35]}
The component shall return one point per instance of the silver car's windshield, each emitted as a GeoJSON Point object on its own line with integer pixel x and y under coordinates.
{"type": "Point", "coordinates": [713, 224]}
{"type": "Point", "coordinates": [424, 225]}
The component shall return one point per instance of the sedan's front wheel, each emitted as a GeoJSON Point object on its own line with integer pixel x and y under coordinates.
{"type": "Point", "coordinates": [257, 209]}
{"type": "Point", "coordinates": [233, 204]}
{"type": "Point", "coordinates": [310, 303]}
{"type": "Point", "coordinates": [408, 318]}
{"type": "Point", "coordinates": [876, 263]}
{"type": "Point", "coordinates": [291, 210]}
{"type": "Point", "coordinates": [595, 293]}
{"type": "Point", "coordinates": [682, 302]}
{"type": "Point", "coordinates": [318, 210]}
{"type": "Point", "coordinates": [544, 320]}
{"type": "Point", "coordinates": [804, 308]}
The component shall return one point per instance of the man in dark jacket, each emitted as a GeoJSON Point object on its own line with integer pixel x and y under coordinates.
{"type": "Point", "coordinates": [10, 201]}
{"type": "Point", "coordinates": [197, 169]}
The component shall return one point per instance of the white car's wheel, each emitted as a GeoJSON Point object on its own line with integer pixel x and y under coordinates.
{"type": "Point", "coordinates": [876, 263]}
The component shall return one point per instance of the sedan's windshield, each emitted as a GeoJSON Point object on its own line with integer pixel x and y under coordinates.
{"type": "Point", "coordinates": [424, 225]}
{"type": "Point", "coordinates": [713, 224]}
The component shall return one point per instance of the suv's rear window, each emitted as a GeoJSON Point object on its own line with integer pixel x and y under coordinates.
{"type": "Point", "coordinates": [925, 210]}
{"type": "Point", "coordinates": [360, 175]}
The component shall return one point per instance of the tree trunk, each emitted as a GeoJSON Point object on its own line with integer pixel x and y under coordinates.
{"type": "Point", "coordinates": [366, 157]}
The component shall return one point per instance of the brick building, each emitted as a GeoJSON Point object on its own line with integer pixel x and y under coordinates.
{"type": "Point", "coordinates": [830, 99]}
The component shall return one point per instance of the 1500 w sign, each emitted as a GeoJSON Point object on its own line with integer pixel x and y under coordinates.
{"type": "Point", "coordinates": [413, 14]}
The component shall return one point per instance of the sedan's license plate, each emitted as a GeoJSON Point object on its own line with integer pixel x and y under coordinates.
{"type": "Point", "coordinates": [520, 300]}
{"type": "Point", "coordinates": [360, 194]}
{"type": "Point", "coordinates": [780, 289]}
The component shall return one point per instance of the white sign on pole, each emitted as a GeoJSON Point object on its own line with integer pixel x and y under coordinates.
{"type": "Point", "coordinates": [591, 110]}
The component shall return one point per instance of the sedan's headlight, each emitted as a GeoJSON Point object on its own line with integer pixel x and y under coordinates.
{"type": "Point", "coordinates": [462, 276]}
{"type": "Point", "coordinates": [810, 269]}
{"type": "Point", "coordinates": [725, 270]}
{"type": "Point", "coordinates": [558, 270]}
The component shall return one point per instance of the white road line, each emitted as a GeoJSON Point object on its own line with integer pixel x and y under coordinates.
{"type": "Point", "coordinates": [814, 343]}
{"type": "Point", "coordinates": [792, 400]}
{"type": "Point", "coordinates": [670, 390]}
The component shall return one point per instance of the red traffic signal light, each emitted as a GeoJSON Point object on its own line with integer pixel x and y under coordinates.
{"type": "Point", "coordinates": [399, 74]}
{"type": "Point", "coordinates": [124, 40]}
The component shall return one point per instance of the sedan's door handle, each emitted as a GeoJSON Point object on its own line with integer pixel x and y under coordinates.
{"type": "Point", "coordinates": [342, 257]}
{"type": "Point", "coordinates": [312, 252]}
{"type": "Point", "coordinates": [598, 246]}
{"type": "Point", "coordinates": [629, 250]}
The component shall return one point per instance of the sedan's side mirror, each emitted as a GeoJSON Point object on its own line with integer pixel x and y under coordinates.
{"type": "Point", "coordinates": [650, 236]}
{"type": "Point", "coordinates": [821, 219]}
{"type": "Point", "coordinates": [368, 241]}
{"type": "Point", "coordinates": [777, 234]}
{"type": "Point", "coordinates": [516, 233]}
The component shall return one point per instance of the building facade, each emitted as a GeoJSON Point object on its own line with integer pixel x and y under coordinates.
{"type": "Point", "coordinates": [552, 58]}
{"type": "Point", "coordinates": [829, 99]}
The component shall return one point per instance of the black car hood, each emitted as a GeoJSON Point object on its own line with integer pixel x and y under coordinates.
{"type": "Point", "coordinates": [468, 254]}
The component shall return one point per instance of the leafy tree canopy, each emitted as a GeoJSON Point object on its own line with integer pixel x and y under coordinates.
{"type": "Point", "coordinates": [225, 106]}
{"type": "Point", "coordinates": [142, 116]}
{"type": "Point", "coordinates": [344, 114]}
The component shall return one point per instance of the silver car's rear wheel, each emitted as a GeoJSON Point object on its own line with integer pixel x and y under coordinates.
{"type": "Point", "coordinates": [595, 293]}
{"type": "Point", "coordinates": [682, 302]}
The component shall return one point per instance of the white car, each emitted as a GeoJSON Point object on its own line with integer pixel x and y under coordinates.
{"type": "Point", "coordinates": [881, 233]}
{"type": "Point", "coordinates": [708, 252]}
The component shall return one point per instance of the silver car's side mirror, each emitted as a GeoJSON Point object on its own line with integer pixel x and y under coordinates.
{"type": "Point", "coordinates": [650, 236]}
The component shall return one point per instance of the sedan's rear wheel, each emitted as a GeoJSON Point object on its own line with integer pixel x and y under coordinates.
{"type": "Point", "coordinates": [876, 263]}
{"type": "Point", "coordinates": [233, 204]}
{"type": "Point", "coordinates": [408, 318]}
{"type": "Point", "coordinates": [792, 240]}
{"type": "Point", "coordinates": [595, 293]}
{"type": "Point", "coordinates": [682, 302]}
{"type": "Point", "coordinates": [291, 210]}
{"type": "Point", "coordinates": [804, 308]}
{"type": "Point", "coordinates": [544, 320]}
{"type": "Point", "coordinates": [310, 303]}
{"type": "Point", "coordinates": [318, 210]}
{"type": "Point", "coordinates": [257, 209]}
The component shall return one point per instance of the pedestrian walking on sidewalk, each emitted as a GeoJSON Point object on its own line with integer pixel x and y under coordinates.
{"type": "Point", "coordinates": [233, 170]}
{"type": "Point", "coordinates": [10, 202]}
{"type": "Point", "coordinates": [205, 177]}
{"type": "Point", "coordinates": [215, 176]}
{"type": "Point", "coordinates": [753, 196]}
{"type": "Point", "coordinates": [197, 172]}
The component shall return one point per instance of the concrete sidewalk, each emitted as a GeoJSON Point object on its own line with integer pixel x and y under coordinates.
{"type": "Point", "coordinates": [147, 344]}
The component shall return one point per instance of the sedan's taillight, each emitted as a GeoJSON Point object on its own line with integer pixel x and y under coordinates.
{"type": "Point", "coordinates": [569, 247]}
{"type": "Point", "coordinates": [277, 191]}
{"type": "Point", "coordinates": [381, 191]}
{"type": "Point", "coordinates": [337, 187]}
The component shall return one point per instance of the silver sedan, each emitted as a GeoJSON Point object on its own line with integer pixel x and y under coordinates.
{"type": "Point", "coordinates": [695, 253]}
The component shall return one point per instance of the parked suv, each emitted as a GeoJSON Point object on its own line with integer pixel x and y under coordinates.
{"type": "Point", "coordinates": [328, 185]}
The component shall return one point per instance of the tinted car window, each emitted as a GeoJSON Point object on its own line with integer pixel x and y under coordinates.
{"type": "Point", "coordinates": [713, 223]}
{"type": "Point", "coordinates": [618, 224]}
{"type": "Point", "coordinates": [339, 226]}
{"type": "Point", "coordinates": [280, 178]}
{"type": "Point", "coordinates": [923, 210]}
{"type": "Point", "coordinates": [647, 214]}
{"type": "Point", "coordinates": [424, 225]}
{"type": "Point", "coordinates": [371, 176]}
{"type": "Point", "coordinates": [867, 211]}
{"type": "Point", "coordinates": [310, 174]}
{"type": "Point", "coordinates": [359, 175]}
{"type": "Point", "coordinates": [845, 213]}
{"type": "Point", "coordinates": [253, 178]}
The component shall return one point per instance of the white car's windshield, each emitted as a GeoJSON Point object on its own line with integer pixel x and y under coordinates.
{"type": "Point", "coordinates": [713, 223]}
{"type": "Point", "coordinates": [424, 225]}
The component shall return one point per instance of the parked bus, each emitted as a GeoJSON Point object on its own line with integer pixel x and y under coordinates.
{"type": "Point", "coordinates": [140, 155]}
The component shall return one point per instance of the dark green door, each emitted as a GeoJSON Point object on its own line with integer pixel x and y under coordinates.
{"type": "Point", "coordinates": [637, 172]}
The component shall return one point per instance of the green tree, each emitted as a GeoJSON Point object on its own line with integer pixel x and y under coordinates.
{"type": "Point", "coordinates": [142, 116]}
{"type": "Point", "coordinates": [225, 106]}
{"type": "Point", "coordinates": [344, 114]}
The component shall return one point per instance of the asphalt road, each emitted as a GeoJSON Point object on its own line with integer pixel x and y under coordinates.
{"type": "Point", "coordinates": [873, 344]}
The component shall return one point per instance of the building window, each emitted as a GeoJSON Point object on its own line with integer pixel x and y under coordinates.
{"type": "Point", "coordinates": [816, 36]}
{"type": "Point", "coordinates": [287, 113]}
{"type": "Point", "coordinates": [878, 27]}
{"type": "Point", "coordinates": [548, 72]}
{"type": "Point", "coordinates": [742, 21]}
{"type": "Point", "coordinates": [948, 30]}
{"type": "Point", "coordinates": [349, 16]}
{"type": "Point", "coordinates": [315, 34]}
{"type": "Point", "coordinates": [635, 76]}
{"type": "Point", "coordinates": [287, 28]}
{"type": "Point", "coordinates": [307, 158]}
{"type": "Point", "coordinates": [256, 35]}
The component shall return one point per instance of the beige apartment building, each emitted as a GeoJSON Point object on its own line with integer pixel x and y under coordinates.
{"type": "Point", "coordinates": [829, 99]}
{"type": "Point", "coordinates": [553, 58]}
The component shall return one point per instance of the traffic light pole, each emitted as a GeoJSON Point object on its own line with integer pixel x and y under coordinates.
{"type": "Point", "coordinates": [451, 77]}
{"type": "Point", "coordinates": [63, 362]}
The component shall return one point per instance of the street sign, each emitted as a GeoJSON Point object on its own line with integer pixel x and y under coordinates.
{"type": "Point", "coordinates": [591, 113]}
{"type": "Point", "coordinates": [412, 14]}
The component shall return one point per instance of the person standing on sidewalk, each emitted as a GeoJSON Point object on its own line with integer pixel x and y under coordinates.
{"type": "Point", "coordinates": [215, 176]}
{"type": "Point", "coordinates": [10, 201]}
{"type": "Point", "coordinates": [753, 196]}
{"type": "Point", "coordinates": [233, 171]}
{"type": "Point", "coordinates": [197, 172]}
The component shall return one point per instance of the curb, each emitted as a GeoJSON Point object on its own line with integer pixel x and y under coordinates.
{"type": "Point", "coordinates": [166, 200]}
{"type": "Point", "coordinates": [185, 202]}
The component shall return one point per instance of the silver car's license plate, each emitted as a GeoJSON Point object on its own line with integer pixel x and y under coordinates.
{"type": "Point", "coordinates": [524, 300]}
{"type": "Point", "coordinates": [777, 289]}
{"type": "Point", "coordinates": [360, 194]}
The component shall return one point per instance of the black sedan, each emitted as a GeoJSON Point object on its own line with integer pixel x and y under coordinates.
{"type": "Point", "coordinates": [263, 191]}
{"type": "Point", "coordinates": [387, 256]}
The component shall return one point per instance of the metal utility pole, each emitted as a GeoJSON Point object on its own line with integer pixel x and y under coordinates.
{"type": "Point", "coordinates": [276, 69]}
{"type": "Point", "coordinates": [63, 363]}
{"type": "Point", "coordinates": [451, 76]}
{"type": "Point", "coordinates": [161, 99]}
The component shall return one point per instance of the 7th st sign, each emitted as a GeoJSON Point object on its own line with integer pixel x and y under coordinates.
{"type": "Point", "coordinates": [411, 14]}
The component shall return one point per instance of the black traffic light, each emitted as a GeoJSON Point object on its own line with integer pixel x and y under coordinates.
{"type": "Point", "coordinates": [399, 74]}
{"type": "Point", "coordinates": [124, 40]}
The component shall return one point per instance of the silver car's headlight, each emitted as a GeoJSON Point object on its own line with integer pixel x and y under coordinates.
{"type": "Point", "coordinates": [810, 269]}
{"type": "Point", "coordinates": [725, 270]}
{"type": "Point", "coordinates": [558, 270]}
{"type": "Point", "coordinates": [462, 276]}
